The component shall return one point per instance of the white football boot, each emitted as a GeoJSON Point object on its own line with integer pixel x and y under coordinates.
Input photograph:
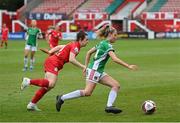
{"type": "Point", "coordinates": [25, 83]}
{"type": "Point", "coordinates": [32, 107]}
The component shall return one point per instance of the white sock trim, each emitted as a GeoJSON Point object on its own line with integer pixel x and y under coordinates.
{"type": "Point", "coordinates": [71, 95]}
{"type": "Point", "coordinates": [111, 98]}
{"type": "Point", "coordinates": [25, 62]}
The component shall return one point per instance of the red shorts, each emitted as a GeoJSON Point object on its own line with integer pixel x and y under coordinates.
{"type": "Point", "coordinates": [4, 39]}
{"type": "Point", "coordinates": [51, 65]}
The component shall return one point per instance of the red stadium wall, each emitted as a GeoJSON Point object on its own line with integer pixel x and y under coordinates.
{"type": "Point", "coordinates": [160, 21]}
{"type": "Point", "coordinates": [133, 27]}
{"type": "Point", "coordinates": [63, 27]}
{"type": "Point", "coordinates": [159, 25]}
{"type": "Point", "coordinates": [88, 20]}
{"type": "Point", "coordinates": [87, 25]}
{"type": "Point", "coordinates": [178, 24]}
{"type": "Point", "coordinates": [7, 19]}
{"type": "Point", "coordinates": [18, 28]}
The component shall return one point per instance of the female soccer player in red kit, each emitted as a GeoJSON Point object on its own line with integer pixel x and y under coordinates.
{"type": "Point", "coordinates": [54, 36]}
{"type": "Point", "coordinates": [5, 32]}
{"type": "Point", "coordinates": [54, 63]}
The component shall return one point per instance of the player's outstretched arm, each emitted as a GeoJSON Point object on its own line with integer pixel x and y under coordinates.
{"type": "Point", "coordinates": [53, 50]}
{"type": "Point", "coordinates": [121, 62]}
{"type": "Point", "coordinates": [72, 59]}
{"type": "Point", "coordinates": [44, 50]}
{"type": "Point", "coordinates": [88, 55]}
{"type": "Point", "coordinates": [87, 59]}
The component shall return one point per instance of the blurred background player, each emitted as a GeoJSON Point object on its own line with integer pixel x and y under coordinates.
{"type": "Point", "coordinates": [53, 65]}
{"type": "Point", "coordinates": [4, 38]}
{"type": "Point", "coordinates": [95, 71]}
{"type": "Point", "coordinates": [48, 31]}
{"type": "Point", "coordinates": [54, 36]}
{"type": "Point", "coordinates": [31, 45]}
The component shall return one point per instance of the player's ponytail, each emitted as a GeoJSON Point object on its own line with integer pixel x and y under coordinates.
{"type": "Point", "coordinates": [106, 31]}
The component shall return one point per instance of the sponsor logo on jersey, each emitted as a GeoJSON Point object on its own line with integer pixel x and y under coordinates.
{"type": "Point", "coordinates": [76, 50]}
{"type": "Point", "coordinates": [56, 69]}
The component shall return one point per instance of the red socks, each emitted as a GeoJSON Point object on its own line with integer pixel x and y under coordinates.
{"type": "Point", "coordinates": [39, 94]}
{"type": "Point", "coordinates": [40, 82]}
{"type": "Point", "coordinates": [44, 84]}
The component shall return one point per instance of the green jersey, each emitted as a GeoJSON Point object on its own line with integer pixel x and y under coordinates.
{"type": "Point", "coordinates": [101, 57]}
{"type": "Point", "coordinates": [32, 36]}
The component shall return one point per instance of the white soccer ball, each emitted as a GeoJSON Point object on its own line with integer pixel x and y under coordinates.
{"type": "Point", "coordinates": [149, 107]}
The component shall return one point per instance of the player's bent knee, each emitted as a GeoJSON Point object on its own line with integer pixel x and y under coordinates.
{"type": "Point", "coordinates": [51, 85]}
{"type": "Point", "coordinates": [116, 87]}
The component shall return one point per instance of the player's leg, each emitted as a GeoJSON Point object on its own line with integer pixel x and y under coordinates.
{"type": "Point", "coordinates": [2, 43]}
{"type": "Point", "coordinates": [32, 58]}
{"type": "Point", "coordinates": [87, 91]}
{"type": "Point", "coordinates": [75, 94]}
{"type": "Point", "coordinates": [6, 44]}
{"type": "Point", "coordinates": [49, 82]}
{"type": "Point", "coordinates": [26, 53]}
{"type": "Point", "coordinates": [114, 85]}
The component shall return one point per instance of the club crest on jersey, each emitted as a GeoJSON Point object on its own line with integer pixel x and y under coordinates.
{"type": "Point", "coordinates": [76, 50]}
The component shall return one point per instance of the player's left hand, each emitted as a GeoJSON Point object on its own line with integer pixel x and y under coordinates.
{"type": "Point", "coordinates": [84, 71]}
{"type": "Point", "coordinates": [133, 67]}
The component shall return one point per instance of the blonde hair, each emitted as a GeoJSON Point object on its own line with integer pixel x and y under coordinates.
{"type": "Point", "coordinates": [106, 31]}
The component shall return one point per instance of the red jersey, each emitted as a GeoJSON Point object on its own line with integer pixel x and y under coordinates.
{"type": "Point", "coordinates": [55, 62]}
{"type": "Point", "coordinates": [5, 32]}
{"type": "Point", "coordinates": [54, 38]}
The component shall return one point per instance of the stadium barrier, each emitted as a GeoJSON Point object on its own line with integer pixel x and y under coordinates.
{"type": "Point", "coordinates": [169, 35]}
{"type": "Point", "coordinates": [16, 36]}
{"type": "Point", "coordinates": [72, 35]}
{"type": "Point", "coordinates": [65, 36]}
{"type": "Point", "coordinates": [133, 35]}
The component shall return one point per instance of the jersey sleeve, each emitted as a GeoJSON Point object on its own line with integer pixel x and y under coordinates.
{"type": "Point", "coordinates": [109, 48]}
{"type": "Point", "coordinates": [74, 49]}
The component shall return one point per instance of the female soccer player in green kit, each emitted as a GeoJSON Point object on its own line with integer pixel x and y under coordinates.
{"type": "Point", "coordinates": [95, 71]}
{"type": "Point", "coordinates": [31, 45]}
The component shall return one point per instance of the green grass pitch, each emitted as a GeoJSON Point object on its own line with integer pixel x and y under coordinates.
{"type": "Point", "coordinates": [158, 79]}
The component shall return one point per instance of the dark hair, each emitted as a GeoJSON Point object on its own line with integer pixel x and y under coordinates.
{"type": "Point", "coordinates": [81, 35]}
{"type": "Point", "coordinates": [106, 32]}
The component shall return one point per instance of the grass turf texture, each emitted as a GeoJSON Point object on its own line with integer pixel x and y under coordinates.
{"type": "Point", "coordinates": [157, 79]}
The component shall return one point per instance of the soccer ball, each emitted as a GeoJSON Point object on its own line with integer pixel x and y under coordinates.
{"type": "Point", "coordinates": [149, 107]}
